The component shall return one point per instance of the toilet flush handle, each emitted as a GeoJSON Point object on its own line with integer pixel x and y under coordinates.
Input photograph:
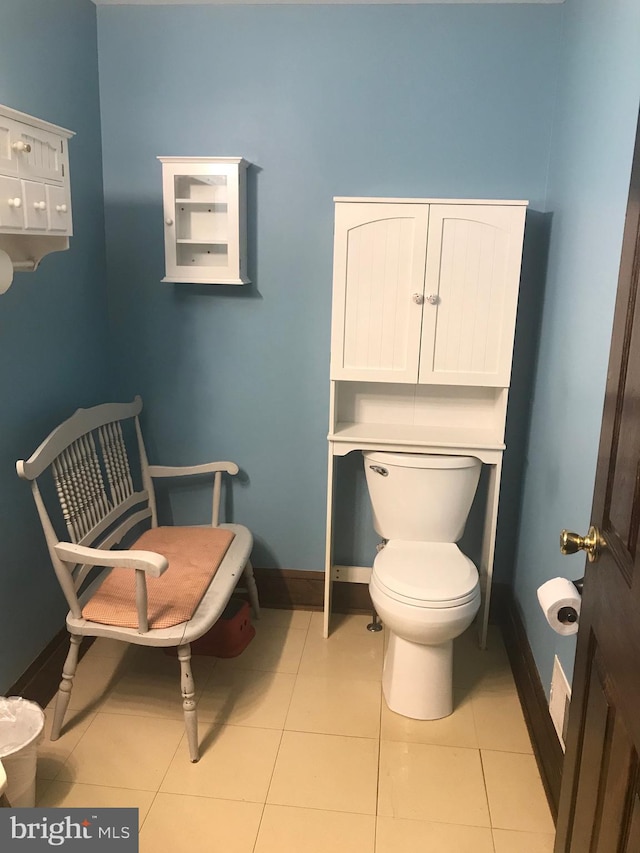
{"type": "Point", "coordinates": [379, 470]}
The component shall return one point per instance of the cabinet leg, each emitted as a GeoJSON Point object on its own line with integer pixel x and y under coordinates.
{"type": "Point", "coordinates": [328, 563]}
{"type": "Point", "coordinates": [488, 548]}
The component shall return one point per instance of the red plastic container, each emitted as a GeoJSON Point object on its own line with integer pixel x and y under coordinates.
{"type": "Point", "coordinates": [231, 634]}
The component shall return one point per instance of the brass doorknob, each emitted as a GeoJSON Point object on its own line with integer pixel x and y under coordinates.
{"type": "Point", "coordinates": [592, 543]}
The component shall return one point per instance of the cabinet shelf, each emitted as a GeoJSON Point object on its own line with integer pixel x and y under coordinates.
{"type": "Point", "coordinates": [203, 242]}
{"type": "Point", "coordinates": [199, 202]}
{"type": "Point", "coordinates": [417, 435]}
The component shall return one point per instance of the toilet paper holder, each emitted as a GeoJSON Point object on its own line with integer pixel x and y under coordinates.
{"type": "Point", "coordinates": [560, 600]}
{"type": "Point", "coordinates": [569, 615]}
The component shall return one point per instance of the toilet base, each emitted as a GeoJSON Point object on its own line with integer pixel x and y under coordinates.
{"type": "Point", "coordinates": [417, 680]}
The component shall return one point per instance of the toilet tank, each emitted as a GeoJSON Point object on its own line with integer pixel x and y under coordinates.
{"type": "Point", "coordinates": [420, 497]}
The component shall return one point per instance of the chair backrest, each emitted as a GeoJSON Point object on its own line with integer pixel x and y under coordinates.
{"type": "Point", "coordinates": [88, 460]}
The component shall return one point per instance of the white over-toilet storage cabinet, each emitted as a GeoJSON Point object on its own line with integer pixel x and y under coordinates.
{"type": "Point", "coordinates": [425, 293]}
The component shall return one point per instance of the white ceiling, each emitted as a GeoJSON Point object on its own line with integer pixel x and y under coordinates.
{"type": "Point", "coordinates": [301, 2]}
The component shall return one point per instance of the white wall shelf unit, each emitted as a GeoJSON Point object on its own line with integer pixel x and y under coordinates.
{"type": "Point", "coordinates": [425, 294]}
{"type": "Point", "coordinates": [35, 197]}
{"type": "Point", "coordinates": [205, 219]}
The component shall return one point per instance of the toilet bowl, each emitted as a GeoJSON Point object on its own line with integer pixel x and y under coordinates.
{"type": "Point", "coordinates": [425, 590]}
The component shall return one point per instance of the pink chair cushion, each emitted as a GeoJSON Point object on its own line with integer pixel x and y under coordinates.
{"type": "Point", "coordinates": [194, 555]}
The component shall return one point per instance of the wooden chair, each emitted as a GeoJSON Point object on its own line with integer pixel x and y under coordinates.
{"type": "Point", "coordinates": [176, 573]}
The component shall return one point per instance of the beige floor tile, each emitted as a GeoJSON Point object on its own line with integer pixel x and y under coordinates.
{"type": "Point", "coordinates": [516, 796]}
{"type": "Point", "coordinates": [473, 667]}
{"type": "Point", "coordinates": [285, 829]}
{"type": "Point", "coordinates": [510, 841]}
{"type": "Point", "coordinates": [146, 660]}
{"type": "Point", "coordinates": [429, 782]}
{"type": "Point", "coordinates": [325, 772]}
{"type": "Point", "coordinates": [344, 654]}
{"type": "Point", "coordinates": [320, 776]}
{"type": "Point", "coordinates": [495, 640]}
{"type": "Point", "coordinates": [236, 763]}
{"type": "Point", "coordinates": [42, 786]}
{"type": "Point", "coordinates": [458, 729]}
{"type": "Point", "coordinates": [499, 720]}
{"type": "Point", "coordinates": [128, 752]}
{"type": "Point", "coordinates": [150, 685]}
{"type": "Point", "coordinates": [335, 706]}
{"type": "Point", "coordinates": [247, 697]}
{"type": "Point", "coordinates": [418, 836]}
{"type": "Point", "coordinates": [53, 754]}
{"type": "Point", "coordinates": [94, 679]}
{"type": "Point", "coordinates": [97, 671]}
{"type": "Point", "coordinates": [180, 824]}
{"type": "Point", "coordinates": [105, 647]}
{"type": "Point", "coordinates": [341, 623]}
{"type": "Point", "coordinates": [70, 795]}
{"type": "Point", "coordinates": [273, 649]}
{"type": "Point", "coordinates": [272, 618]}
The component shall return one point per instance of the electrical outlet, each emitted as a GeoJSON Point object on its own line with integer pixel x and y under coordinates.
{"type": "Point", "coordinates": [559, 701]}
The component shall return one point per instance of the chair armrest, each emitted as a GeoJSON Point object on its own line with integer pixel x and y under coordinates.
{"type": "Point", "coordinates": [186, 470]}
{"type": "Point", "coordinates": [146, 561]}
{"type": "Point", "coordinates": [215, 468]}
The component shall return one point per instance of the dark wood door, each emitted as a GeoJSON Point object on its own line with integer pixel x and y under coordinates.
{"type": "Point", "coordinates": [600, 795]}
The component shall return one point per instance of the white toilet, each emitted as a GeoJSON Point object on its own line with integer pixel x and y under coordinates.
{"type": "Point", "coordinates": [424, 589]}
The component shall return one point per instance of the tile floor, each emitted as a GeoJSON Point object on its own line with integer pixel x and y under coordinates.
{"type": "Point", "coordinates": [299, 752]}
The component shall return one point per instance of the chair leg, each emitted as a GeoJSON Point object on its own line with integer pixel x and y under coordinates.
{"type": "Point", "coordinates": [64, 691]}
{"type": "Point", "coordinates": [252, 589]}
{"type": "Point", "coordinates": [188, 701]}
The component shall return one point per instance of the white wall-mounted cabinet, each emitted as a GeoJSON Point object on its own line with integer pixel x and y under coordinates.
{"type": "Point", "coordinates": [35, 197]}
{"type": "Point", "coordinates": [205, 219]}
{"type": "Point", "coordinates": [425, 294]}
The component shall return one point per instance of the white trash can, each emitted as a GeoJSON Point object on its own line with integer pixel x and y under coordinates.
{"type": "Point", "coordinates": [21, 728]}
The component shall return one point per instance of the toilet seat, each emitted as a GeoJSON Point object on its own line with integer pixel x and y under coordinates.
{"type": "Point", "coordinates": [425, 574]}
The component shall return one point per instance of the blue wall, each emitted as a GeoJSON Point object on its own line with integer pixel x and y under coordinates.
{"type": "Point", "coordinates": [592, 146]}
{"type": "Point", "coordinates": [53, 338]}
{"type": "Point", "coordinates": [326, 100]}
{"type": "Point", "coordinates": [478, 101]}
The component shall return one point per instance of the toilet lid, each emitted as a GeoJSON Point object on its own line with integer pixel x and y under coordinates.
{"type": "Point", "coordinates": [429, 574]}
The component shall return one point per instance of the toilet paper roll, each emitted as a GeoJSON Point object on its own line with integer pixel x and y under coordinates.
{"type": "Point", "coordinates": [560, 602]}
{"type": "Point", "coordinates": [6, 272]}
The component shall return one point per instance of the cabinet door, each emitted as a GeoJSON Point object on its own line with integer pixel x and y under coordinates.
{"type": "Point", "coordinates": [201, 212]}
{"type": "Point", "coordinates": [41, 155]}
{"type": "Point", "coordinates": [9, 134]}
{"type": "Point", "coordinates": [379, 263]}
{"type": "Point", "coordinates": [471, 288]}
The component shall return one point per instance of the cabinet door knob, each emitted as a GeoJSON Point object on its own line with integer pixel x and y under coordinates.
{"type": "Point", "coordinates": [433, 299]}
{"type": "Point", "coordinates": [14, 202]}
{"type": "Point", "coordinates": [21, 146]}
{"type": "Point", "coordinates": [168, 221]}
{"type": "Point", "coordinates": [61, 208]}
{"type": "Point", "coordinates": [40, 205]}
{"type": "Point", "coordinates": [418, 298]}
